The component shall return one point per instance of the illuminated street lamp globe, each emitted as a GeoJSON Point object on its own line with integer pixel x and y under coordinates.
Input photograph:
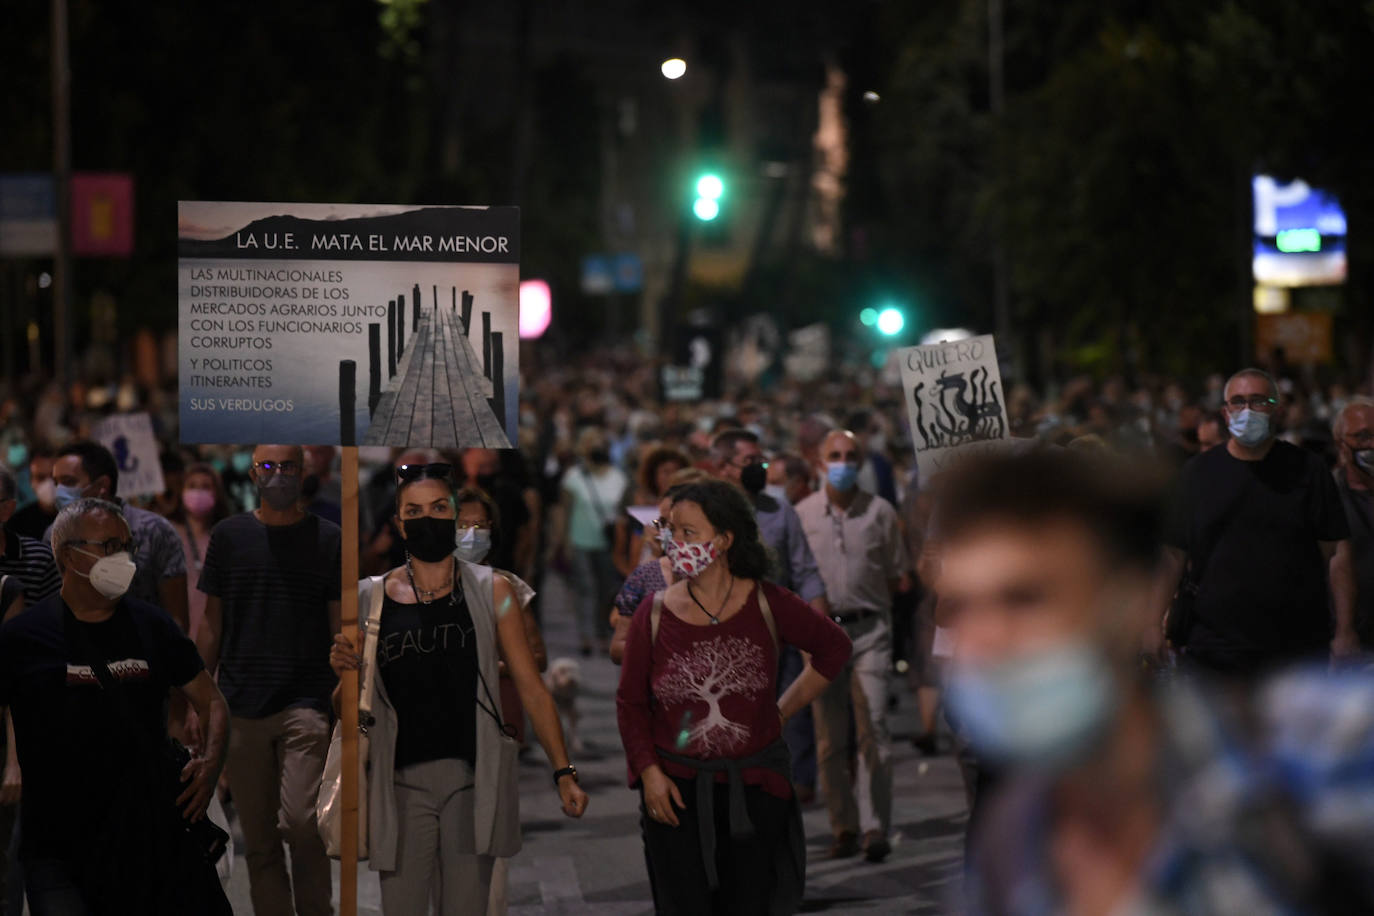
{"type": "Point", "coordinates": [673, 68]}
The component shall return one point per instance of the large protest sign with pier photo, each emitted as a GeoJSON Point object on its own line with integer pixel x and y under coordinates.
{"type": "Point", "coordinates": [954, 400]}
{"type": "Point", "coordinates": [332, 324]}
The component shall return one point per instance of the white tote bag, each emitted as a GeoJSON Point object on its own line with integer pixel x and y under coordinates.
{"type": "Point", "coordinates": [329, 803]}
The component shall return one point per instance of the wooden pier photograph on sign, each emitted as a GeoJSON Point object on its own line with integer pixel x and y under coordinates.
{"type": "Point", "coordinates": [330, 324]}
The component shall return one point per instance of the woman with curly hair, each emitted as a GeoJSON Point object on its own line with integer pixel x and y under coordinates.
{"type": "Point", "coordinates": [701, 721]}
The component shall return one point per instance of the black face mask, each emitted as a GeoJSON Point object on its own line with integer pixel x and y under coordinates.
{"type": "Point", "coordinates": [279, 492]}
{"type": "Point", "coordinates": [430, 539]}
{"type": "Point", "coordinates": [754, 478]}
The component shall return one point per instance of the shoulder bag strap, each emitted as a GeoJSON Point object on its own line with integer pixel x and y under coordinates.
{"type": "Point", "coordinates": [768, 617]}
{"type": "Point", "coordinates": [595, 495]}
{"type": "Point", "coordinates": [655, 617]}
{"type": "Point", "coordinates": [492, 706]}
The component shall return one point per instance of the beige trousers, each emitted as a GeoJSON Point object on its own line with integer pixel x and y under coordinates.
{"type": "Point", "coordinates": [867, 804]}
{"type": "Point", "coordinates": [275, 764]}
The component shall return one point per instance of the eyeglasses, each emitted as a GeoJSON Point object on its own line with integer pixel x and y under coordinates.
{"type": "Point", "coordinates": [438, 470]}
{"type": "Point", "coordinates": [107, 547]}
{"type": "Point", "coordinates": [289, 468]}
{"type": "Point", "coordinates": [1362, 439]}
{"type": "Point", "coordinates": [1254, 402]}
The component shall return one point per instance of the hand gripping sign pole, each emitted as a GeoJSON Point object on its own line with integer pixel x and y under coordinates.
{"type": "Point", "coordinates": [348, 602]}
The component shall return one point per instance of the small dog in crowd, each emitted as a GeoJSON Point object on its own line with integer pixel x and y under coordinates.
{"type": "Point", "coordinates": [564, 680]}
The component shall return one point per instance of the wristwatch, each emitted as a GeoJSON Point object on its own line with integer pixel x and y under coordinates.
{"type": "Point", "coordinates": [568, 770]}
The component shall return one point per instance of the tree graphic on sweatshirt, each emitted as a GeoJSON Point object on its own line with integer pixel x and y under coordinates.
{"type": "Point", "coordinates": [710, 671]}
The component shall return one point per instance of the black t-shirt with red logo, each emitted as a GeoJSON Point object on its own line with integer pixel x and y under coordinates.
{"type": "Point", "coordinates": [82, 760]}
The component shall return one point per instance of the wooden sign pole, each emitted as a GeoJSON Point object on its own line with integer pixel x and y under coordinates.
{"type": "Point", "coordinates": [348, 600]}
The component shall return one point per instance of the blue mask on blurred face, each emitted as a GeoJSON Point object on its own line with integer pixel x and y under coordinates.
{"type": "Point", "coordinates": [67, 495]}
{"type": "Point", "coordinates": [473, 544]}
{"type": "Point", "coordinates": [1250, 427]}
{"type": "Point", "coordinates": [842, 475]}
{"type": "Point", "coordinates": [1044, 710]}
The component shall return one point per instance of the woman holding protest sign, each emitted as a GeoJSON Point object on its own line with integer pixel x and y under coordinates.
{"type": "Point", "coordinates": [442, 782]}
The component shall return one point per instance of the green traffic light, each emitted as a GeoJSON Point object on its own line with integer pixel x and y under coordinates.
{"type": "Point", "coordinates": [710, 186]}
{"type": "Point", "coordinates": [869, 317]}
{"type": "Point", "coordinates": [706, 209]}
{"type": "Point", "coordinates": [891, 321]}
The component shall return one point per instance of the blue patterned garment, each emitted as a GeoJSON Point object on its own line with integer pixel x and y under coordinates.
{"type": "Point", "coordinates": [1266, 808]}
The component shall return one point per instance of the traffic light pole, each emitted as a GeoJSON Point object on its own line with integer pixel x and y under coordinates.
{"type": "Point", "coordinates": [672, 300]}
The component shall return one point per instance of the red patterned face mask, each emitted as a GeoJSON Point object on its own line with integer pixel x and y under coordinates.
{"type": "Point", "coordinates": [690, 560]}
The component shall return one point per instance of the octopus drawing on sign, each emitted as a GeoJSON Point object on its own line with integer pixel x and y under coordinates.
{"type": "Point", "coordinates": [958, 410]}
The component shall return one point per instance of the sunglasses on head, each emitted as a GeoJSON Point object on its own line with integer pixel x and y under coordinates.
{"type": "Point", "coordinates": [438, 470]}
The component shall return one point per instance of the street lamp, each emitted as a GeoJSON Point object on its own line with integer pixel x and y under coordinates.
{"type": "Point", "coordinates": [673, 68]}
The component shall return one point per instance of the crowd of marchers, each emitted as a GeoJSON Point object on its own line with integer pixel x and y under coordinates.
{"type": "Point", "coordinates": [1143, 626]}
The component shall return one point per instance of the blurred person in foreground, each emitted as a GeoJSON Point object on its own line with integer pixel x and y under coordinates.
{"type": "Point", "coordinates": [33, 519]}
{"type": "Point", "coordinates": [857, 540]}
{"type": "Point", "coordinates": [1353, 429]}
{"type": "Point", "coordinates": [701, 720]}
{"type": "Point", "coordinates": [271, 580]}
{"type": "Point", "coordinates": [1260, 528]}
{"type": "Point", "coordinates": [443, 800]}
{"type": "Point", "coordinates": [87, 469]}
{"type": "Point", "coordinates": [86, 674]}
{"type": "Point", "coordinates": [1122, 793]}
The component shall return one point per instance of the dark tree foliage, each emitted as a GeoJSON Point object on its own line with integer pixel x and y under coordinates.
{"type": "Point", "coordinates": [1119, 171]}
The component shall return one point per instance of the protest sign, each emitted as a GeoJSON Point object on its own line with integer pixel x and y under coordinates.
{"type": "Point", "coordinates": [129, 437]}
{"type": "Point", "coordinates": [954, 400]}
{"type": "Point", "coordinates": [326, 324]}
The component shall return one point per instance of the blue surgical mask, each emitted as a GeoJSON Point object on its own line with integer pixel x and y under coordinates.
{"type": "Point", "coordinates": [67, 495]}
{"type": "Point", "coordinates": [1250, 427]}
{"type": "Point", "coordinates": [1044, 709]}
{"type": "Point", "coordinates": [1365, 459]}
{"type": "Point", "coordinates": [777, 491]}
{"type": "Point", "coordinates": [473, 544]}
{"type": "Point", "coordinates": [842, 475]}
